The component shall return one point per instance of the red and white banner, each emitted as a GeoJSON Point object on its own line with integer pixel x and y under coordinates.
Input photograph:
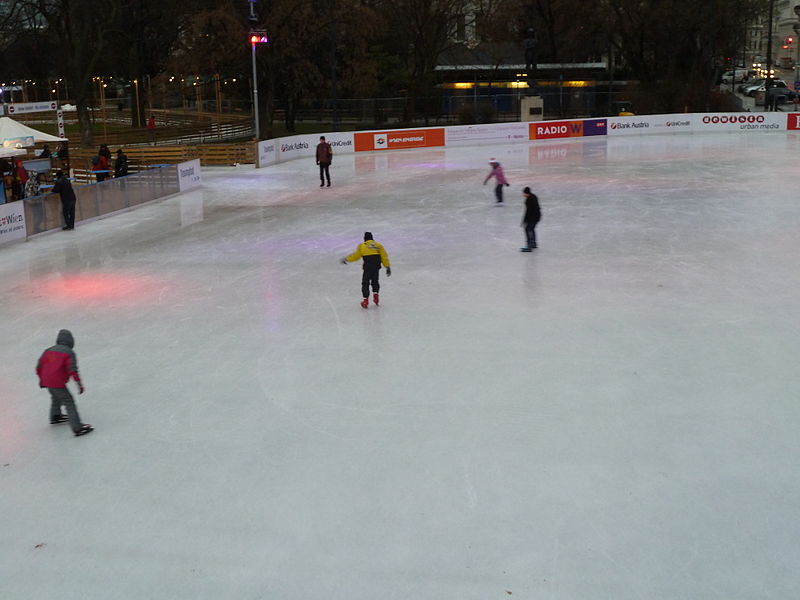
{"type": "Point", "coordinates": [399, 139]}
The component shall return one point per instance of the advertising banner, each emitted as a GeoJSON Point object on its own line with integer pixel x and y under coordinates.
{"type": "Point", "coordinates": [12, 222]}
{"type": "Point", "coordinates": [793, 121]}
{"type": "Point", "coordinates": [492, 133]}
{"type": "Point", "coordinates": [300, 146]}
{"type": "Point", "coordinates": [267, 154]}
{"type": "Point", "coordinates": [643, 125]}
{"type": "Point", "coordinates": [399, 139]}
{"type": "Point", "coordinates": [19, 142]}
{"type": "Point", "coordinates": [550, 130]}
{"type": "Point", "coordinates": [28, 107]}
{"type": "Point", "coordinates": [189, 175]}
{"type": "Point", "coordinates": [741, 122]}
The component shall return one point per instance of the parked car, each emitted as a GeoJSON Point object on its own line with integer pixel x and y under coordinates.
{"type": "Point", "coordinates": [743, 88]}
{"type": "Point", "coordinates": [776, 83]}
{"type": "Point", "coordinates": [736, 75]}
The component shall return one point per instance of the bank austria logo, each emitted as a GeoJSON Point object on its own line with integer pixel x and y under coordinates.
{"type": "Point", "coordinates": [636, 125]}
{"type": "Point", "coordinates": [380, 141]}
{"type": "Point", "coordinates": [294, 146]}
{"type": "Point", "coordinates": [734, 119]}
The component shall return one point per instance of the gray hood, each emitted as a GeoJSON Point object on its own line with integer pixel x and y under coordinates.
{"type": "Point", "coordinates": [65, 338]}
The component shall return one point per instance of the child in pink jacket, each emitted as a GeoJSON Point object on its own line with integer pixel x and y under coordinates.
{"type": "Point", "coordinates": [500, 178]}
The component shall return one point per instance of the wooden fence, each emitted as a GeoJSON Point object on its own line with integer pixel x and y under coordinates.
{"type": "Point", "coordinates": [142, 157]}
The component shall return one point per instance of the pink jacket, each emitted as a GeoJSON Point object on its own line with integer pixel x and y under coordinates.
{"type": "Point", "coordinates": [497, 172]}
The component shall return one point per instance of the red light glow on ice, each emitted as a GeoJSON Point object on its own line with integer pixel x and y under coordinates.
{"type": "Point", "coordinates": [101, 287]}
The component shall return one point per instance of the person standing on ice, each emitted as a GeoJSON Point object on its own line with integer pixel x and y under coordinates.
{"type": "Point", "coordinates": [374, 255]}
{"type": "Point", "coordinates": [531, 218]}
{"type": "Point", "coordinates": [500, 179]}
{"type": "Point", "coordinates": [56, 366]}
{"type": "Point", "coordinates": [324, 160]}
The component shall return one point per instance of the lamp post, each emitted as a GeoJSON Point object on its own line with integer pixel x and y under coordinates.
{"type": "Point", "coordinates": [256, 37]}
{"type": "Point", "coordinates": [796, 28]}
{"type": "Point", "coordinates": [768, 82]}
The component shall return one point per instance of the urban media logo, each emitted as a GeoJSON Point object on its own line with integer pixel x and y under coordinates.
{"type": "Point", "coordinates": [742, 119]}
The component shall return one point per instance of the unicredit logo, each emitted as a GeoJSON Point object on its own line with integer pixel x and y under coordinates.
{"type": "Point", "coordinates": [734, 119]}
{"type": "Point", "coordinates": [677, 123]}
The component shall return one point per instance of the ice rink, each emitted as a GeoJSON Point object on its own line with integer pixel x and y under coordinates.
{"type": "Point", "coordinates": [611, 417]}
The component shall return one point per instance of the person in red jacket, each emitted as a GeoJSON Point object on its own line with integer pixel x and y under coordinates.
{"type": "Point", "coordinates": [56, 366]}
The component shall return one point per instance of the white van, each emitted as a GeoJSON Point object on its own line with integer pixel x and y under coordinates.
{"type": "Point", "coordinates": [735, 75]}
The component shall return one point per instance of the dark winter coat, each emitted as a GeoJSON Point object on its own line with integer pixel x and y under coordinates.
{"type": "Point", "coordinates": [532, 211]}
{"type": "Point", "coordinates": [324, 153]}
{"type": "Point", "coordinates": [58, 363]}
{"type": "Point", "coordinates": [63, 187]}
{"type": "Point", "coordinates": [121, 166]}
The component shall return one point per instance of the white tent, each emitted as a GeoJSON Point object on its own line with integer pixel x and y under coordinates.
{"type": "Point", "coordinates": [13, 130]}
{"type": "Point", "coordinates": [9, 152]}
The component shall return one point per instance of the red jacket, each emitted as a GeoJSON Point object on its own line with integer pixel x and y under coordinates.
{"type": "Point", "coordinates": [58, 363]}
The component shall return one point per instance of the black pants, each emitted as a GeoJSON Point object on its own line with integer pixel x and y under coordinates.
{"type": "Point", "coordinates": [498, 192]}
{"type": "Point", "coordinates": [324, 171]}
{"type": "Point", "coordinates": [370, 277]}
{"type": "Point", "coordinates": [68, 210]}
{"type": "Point", "coordinates": [61, 397]}
{"type": "Point", "coordinates": [530, 234]}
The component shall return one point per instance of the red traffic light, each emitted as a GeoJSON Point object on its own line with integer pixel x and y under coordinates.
{"type": "Point", "coordinates": [258, 37]}
{"type": "Point", "coordinates": [789, 40]}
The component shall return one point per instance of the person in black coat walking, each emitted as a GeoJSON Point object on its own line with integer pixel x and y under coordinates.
{"type": "Point", "coordinates": [121, 165]}
{"type": "Point", "coordinates": [533, 215]}
{"type": "Point", "coordinates": [63, 188]}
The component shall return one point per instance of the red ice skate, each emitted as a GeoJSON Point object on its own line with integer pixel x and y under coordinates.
{"type": "Point", "coordinates": [376, 299]}
{"type": "Point", "coordinates": [365, 303]}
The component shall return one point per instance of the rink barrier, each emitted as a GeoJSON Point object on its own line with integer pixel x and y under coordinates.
{"type": "Point", "coordinates": [43, 213]}
{"type": "Point", "coordinates": [277, 150]}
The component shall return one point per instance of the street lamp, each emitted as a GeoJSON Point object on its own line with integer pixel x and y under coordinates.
{"type": "Point", "coordinates": [796, 28]}
{"type": "Point", "coordinates": [256, 37]}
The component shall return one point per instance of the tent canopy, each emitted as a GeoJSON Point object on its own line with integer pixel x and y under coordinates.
{"type": "Point", "coordinates": [9, 152]}
{"type": "Point", "coordinates": [11, 129]}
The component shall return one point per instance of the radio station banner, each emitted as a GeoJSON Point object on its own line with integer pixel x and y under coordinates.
{"type": "Point", "coordinates": [12, 222]}
{"type": "Point", "coordinates": [549, 130]}
{"type": "Point", "coordinates": [400, 139]}
{"type": "Point", "coordinates": [28, 107]}
{"type": "Point", "coordinates": [189, 176]}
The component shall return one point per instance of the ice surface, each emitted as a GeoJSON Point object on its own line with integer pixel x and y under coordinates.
{"type": "Point", "coordinates": [614, 416]}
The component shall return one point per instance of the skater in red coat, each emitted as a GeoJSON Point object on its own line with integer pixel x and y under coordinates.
{"type": "Point", "coordinates": [57, 365]}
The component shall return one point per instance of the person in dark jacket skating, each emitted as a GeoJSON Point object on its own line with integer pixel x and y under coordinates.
{"type": "Point", "coordinates": [374, 255]}
{"type": "Point", "coordinates": [531, 218]}
{"type": "Point", "coordinates": [63, 188]}
{"type": "Point", "coordinates": [57, 365]}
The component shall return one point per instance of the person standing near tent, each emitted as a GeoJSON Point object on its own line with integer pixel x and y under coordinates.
{"type": "Point", "coordinates": [63, 188]}
{"type": "Point", "coordinates": [20, 179]}
{"type": "Point", "coordinates": [100, 167]}
{"type": "Point", "coordinates": [121, 164]}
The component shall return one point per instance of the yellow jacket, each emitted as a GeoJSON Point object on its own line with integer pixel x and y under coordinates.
{"type": "Point", "coordinates": [367, 250]}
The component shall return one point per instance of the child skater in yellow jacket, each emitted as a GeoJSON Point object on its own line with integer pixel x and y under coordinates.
{"type": "Point", "coordinates": [374, 256]}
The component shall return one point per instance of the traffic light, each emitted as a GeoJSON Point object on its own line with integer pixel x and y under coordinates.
{"type": "Point", "coordinates": [789, 40]}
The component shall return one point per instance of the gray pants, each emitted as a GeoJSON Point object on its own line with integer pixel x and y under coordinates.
{"type": "Point", "coordinates": [62, 397]}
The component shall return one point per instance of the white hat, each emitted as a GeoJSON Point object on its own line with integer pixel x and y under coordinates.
{"type": "Point", "coordinates": [493, 161]}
